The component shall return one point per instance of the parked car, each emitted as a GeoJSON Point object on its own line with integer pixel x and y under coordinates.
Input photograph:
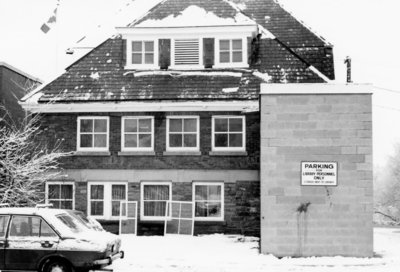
{"type": "Point", "coordinates": [88, 221]}
{"type": "Point", "coordinates": [51, 240]}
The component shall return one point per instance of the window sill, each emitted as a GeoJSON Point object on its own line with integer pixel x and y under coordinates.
{"type": "Point", "coordinates": [92, 153]}
{"type": "Point", "coordinates": [182, 153]}
{"type": "Point", "coordinates": [228, 153]}
{"type": "Point", "coordinates": [136, 153]}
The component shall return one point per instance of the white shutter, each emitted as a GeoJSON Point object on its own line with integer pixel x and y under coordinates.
{"type": "Point", "coordinates": [187, 52]}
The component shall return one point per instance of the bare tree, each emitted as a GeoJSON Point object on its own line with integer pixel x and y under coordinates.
{"type": "Point", "coordinates": [26, 163]}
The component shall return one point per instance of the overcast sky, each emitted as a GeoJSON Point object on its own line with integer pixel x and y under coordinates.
{"type": "Point", "coordinates": [365, 30]}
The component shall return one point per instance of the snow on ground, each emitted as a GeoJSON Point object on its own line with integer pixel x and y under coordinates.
{"type": "Point", "coordinates": [222, 253]}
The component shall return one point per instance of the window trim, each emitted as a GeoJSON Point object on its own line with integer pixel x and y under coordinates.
{"type": "Point", "coordinates": [107, 207]}
{"type": "Point", "coordinates": [189, 66]}
{"type": "Point", "coordinates": [139, 149]}
{"type": "Point", "coordinates": [172, 149]}
{"type": "Point", "coordinates": [60, 183]}
{"type": "Point", "coordinates": [129, 64]}
{"type": "Point", "coordinates": [78, 147]}
{"type": "Point", "coordinates": [244, 62]}
{"type": "Point", "coordinates": [208, 183]}
{"type": "Point", "coordinates": [213, 148]}
{"type": "Point", "coordinates": [153, 218]}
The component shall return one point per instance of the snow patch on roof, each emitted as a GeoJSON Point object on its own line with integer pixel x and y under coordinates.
{"type": "Point", "coordinates": [262, 76]}
{"type": "Point", "coordinates": [230, 90]}
{"type": "Point", "coordinates": [183, 73]}
{"type": "Point", "coordinates": [95, 76]}
{"type": "Point", "coordinates": [197, 16]}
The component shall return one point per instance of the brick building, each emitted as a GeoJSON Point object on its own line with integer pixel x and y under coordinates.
{"type": "Point", "coordinates": [168, 110]}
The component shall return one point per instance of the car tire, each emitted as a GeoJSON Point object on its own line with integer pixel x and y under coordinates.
{"type": "Point", "coordinates": [57, 266]}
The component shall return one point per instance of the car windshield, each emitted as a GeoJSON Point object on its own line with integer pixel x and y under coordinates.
{"type": "Point", "coordinates": [72, 223]}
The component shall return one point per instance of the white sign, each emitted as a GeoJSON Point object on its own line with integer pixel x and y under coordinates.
{"type": "Point", "coordinates": [319, 173]}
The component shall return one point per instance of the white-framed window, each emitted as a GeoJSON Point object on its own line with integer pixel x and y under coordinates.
{"type": "Point", "coordinates": [60, 194]}
{"type": "Point", "coordinates": [208, 198]}
{"type": "Point", "coordinates": [153, 199]}
{"type": "Point", "coordinates": [183, 133]}
{"type": "Point", "coordinates": [228, 133]}
{"type": "Point", "coordinates": [187, 53]}
{"type": "Point", "coordinates": [142, 53]}
{"type": "Point", "coordinates": [104, 199]}
{"type": "Point", "coordinates": [93, 133]}
{"type": "Point", "coordinates": [231, 52]}
{"type": "Point", "coordinates": [137, 133]}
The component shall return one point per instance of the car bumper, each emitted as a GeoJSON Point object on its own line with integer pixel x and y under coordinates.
{"type": "Point", "coordinates": [109, 260]}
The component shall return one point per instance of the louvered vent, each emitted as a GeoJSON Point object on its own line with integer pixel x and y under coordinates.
{"type": "Point", "coordinates": [187, 52]}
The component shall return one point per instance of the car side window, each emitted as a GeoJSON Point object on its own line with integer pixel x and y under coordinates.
{"type": "Point", "coordinates": [3, 225]}
{"type": "Point", "coordinates": [46, 230]}
{"type": "Point", "coordinates": [25, 226]}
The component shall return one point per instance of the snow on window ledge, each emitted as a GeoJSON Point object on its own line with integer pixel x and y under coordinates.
{"type": "Point", "coordinates": [92, 153]}
{"type": "Point", "coordinates": [136, 153]}
{"type": "Point", "coordinates": [228, 153]}
{"type": "Point", "coordinates": [182, 153]}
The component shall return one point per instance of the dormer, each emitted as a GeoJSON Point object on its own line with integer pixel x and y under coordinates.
{"type": "Point", "coordinates": [193, 39]}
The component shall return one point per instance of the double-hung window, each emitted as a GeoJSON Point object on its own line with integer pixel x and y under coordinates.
{"type": "Point", "coordinates": [105, 199]}
{"type": "Point", "coordinates": [93, 133]}
{"type": "Point", "coordinates": [183, 133]}
{"type": "Point", "coordinates": [137, 133]}
{"type": "Point", "coordinates": [154, 198]}
{"type": "Point", "coordinates": [142, 53]}
{"type": "Point", "coordinates": [60, 194]}
{"type": "Point", "coordinates": [231, 52]}
{"type": "Point", "coordinates": [228, 133]}
{"type": "Point", "coordinates": [209, 201]}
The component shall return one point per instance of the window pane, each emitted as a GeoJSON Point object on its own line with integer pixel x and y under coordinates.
{"type": "Point", "coordinates": [131, 125]}
{"type": "Point", "coordinates": [137, 46]}
{"type": "Point", "coordinates": [221, 125]}
{"type": "Point", "coordinates": [237, 57]}
{"type": "Point", "coordinates": [145, 125]}
{"type": "Point", "coordinates": [136, 58]}
{"type": "Point", "coordinates": [213, 209]}
{"type": "Point", "coordinates": [152, 208]}
{"type": "Point", "coordinates": [224, 57]}
{"type": "Point", "coordinates": [235, 140]}
{"type": "Point", "coordinates": [214, 192]}
{"type": "Point", "coordinates": [100, 140]}
{"type": "Point", "coordinates": [24, 226]}
{"type": "Point", "coordinates": [86, 140]}
{"type": "Point", "coordinates": [201, 209]}
{"type": "Point", "coordinates": [66, 191]}
{"type": "Point", "coordinates": [115, 208]}
{"type": "Point", "coordinates": [3, 225]}
{"type": "Point", "coordinates": [175, 125]}
{"type": "Point", "coordinates": [86, 125]}
{"type": "Point", "coordinates": [46, 231]}
{"type": "Point", "coordinates": [56, 204]}
{"type": "Point", "coordinates": [149, 58]}
{"type": "Point", "coordinates": [96, 207]}
{"type": "Point", "coordinates": [156, 192]}
{"type": "Point", "coordinates": [145, 140]}
{"type": "Point", "coordinates": [118, 192]}
{"type": "Point", "coordinates": [235, 125]}
{"type": "Point", "coordinates": [190, 125]}
{"type": "Point", "coordinates": [96, 192]}
{"type": "Point", "coordinates": [54, 191]}
{"type": "Point", "coordinates": [100, 125]}
{"type": "Point", "coordinates": [236, 44]}
{"type": "Point", "coordinates": [224, 44]}
{"type": "Point", "coordinates": [175, 140]}
{"type": "Point", "coordinates": [131, 140]}
{"type": "Point", "coordinates": [190, 140]}
{"type": "Point", "coordinates": [66, 204]}
{"type": "Point", "coordinates": [221, 140]}
{"type": "Point", "coordinates": [149, 46]}
{"type": "Point", "coordinates": [201, 192]}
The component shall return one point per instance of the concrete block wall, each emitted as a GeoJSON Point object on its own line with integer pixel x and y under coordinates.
{"type": "Point", "coordinates": [316, 127]}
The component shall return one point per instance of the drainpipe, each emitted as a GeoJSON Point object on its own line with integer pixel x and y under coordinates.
{"type": "Point", "coordinates": [347, 61]}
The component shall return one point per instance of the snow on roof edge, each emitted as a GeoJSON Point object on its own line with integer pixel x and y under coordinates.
{"type": "Point", "coordinates": [9, 66]}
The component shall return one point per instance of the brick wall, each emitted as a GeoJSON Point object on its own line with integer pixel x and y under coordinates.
{"type": "Point", "coordinates": [316, 127]}
{"type": "Point", "coordinates": [62, 127]}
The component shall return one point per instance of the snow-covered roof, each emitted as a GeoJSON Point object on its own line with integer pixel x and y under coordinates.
{"type": "Point", "coordinates": [9, 66]}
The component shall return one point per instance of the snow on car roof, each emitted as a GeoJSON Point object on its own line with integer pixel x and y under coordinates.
{"type": "Point", "coordinates": [31, 211]}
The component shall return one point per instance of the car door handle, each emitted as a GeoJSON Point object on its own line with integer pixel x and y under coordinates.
{"type": "Point", "coordinates": [46, 244]}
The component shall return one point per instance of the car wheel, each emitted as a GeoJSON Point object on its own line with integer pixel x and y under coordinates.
{"type": "Point", "coordinates": [57, 266]}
